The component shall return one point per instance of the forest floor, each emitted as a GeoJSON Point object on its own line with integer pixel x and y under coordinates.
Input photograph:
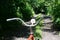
{"type": "Point", "coordinates": [47, 32]}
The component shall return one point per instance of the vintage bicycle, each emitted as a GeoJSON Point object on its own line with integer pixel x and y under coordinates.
{"type": "Point", "coordinates": [33, 23]}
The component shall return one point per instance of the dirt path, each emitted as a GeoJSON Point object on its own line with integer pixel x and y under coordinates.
{"type": "Point", "coordinates": [48, 33]}
{"type": "Point", "coordinates": [49, 36]}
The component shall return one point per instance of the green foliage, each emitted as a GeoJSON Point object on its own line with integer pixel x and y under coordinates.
{"type": "Point", "coordinates": [53, 9]}
{"type": "Point", "coordinates": [56, 16]}
{"type": "Point", "coordinates": [37, 32]}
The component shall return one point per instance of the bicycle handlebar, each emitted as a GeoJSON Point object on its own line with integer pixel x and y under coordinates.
{"type": "Point", "coordinates": [23, 21]}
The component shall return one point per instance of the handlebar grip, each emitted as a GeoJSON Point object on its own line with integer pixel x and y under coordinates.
{"type": "Point", "coordinates": [12, 19]}
{"type": "Point", "coordinates": [8, 19]}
